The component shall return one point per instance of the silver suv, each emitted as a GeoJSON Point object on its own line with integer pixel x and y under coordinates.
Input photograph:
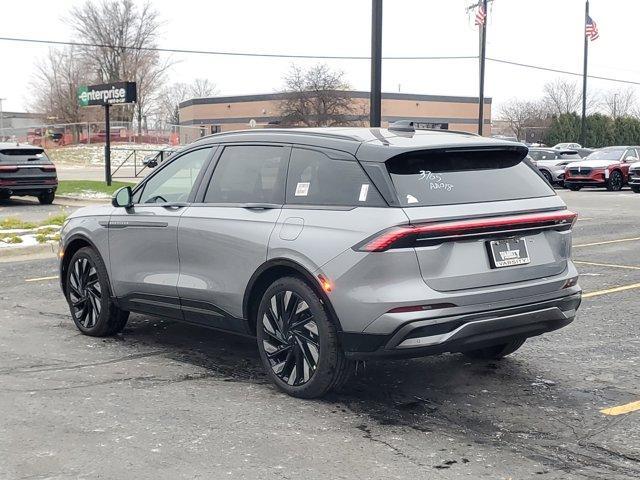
{"type": "Point", "coordinates": [332, 246]}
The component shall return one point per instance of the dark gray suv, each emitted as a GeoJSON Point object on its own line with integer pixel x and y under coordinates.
{"type": "Point", "coordinates": [331, 246]}
{"type": "Point", "coordinates": [26, 170]}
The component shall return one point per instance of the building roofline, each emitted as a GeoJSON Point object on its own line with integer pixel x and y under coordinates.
{"type": "Point", "coordinates": [353, 93]}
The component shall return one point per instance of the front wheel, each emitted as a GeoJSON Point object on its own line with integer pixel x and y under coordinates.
{"type": "Point", "coordinates": [615, 181]}
{"type": "Point", "coordinates": [87, 291]}
{"type": "Point", "coordinates": [497, 351]}
{"type": "Point", "coordinates": [635, 188]}
{"type": "Point", "coordinates": [547, 176]}
{"type": "Point", "coordinates": [297, 341]}
{"type": "Point", "coordinates": [46, 198]}
{"type": "Point", "coordinates": [573, 188]}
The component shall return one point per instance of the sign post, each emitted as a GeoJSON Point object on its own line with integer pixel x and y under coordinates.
{"type": "Point", "coordinates": [105, 95]}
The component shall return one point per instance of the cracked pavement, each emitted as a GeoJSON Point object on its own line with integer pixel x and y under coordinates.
{"type": "Point", "coordinates": [166, 400]}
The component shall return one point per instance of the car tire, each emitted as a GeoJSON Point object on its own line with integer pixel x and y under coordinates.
{"type": "Point", "coordinates": [573, 188]}
{"type": "Point", "coordinates": [298, 342]}
{"type": "Point", "coordinates": [87, 289]}
{"type": "Point", "coordinates": [495, 352]}
{"type": "Point", "coordinates": [614, 184]}
{"type": "Point", "coordinates": [635, 188]}
{"type": "Point", "coordinates": [4, 196]}
{"type": "Point", "coordinates": [547, 177]}
{"type": "Point", "coordinates": [46, 198]}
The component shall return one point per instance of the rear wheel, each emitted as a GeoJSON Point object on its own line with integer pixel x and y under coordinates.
{"type": "Point", "coordinates": [46, 198]}
{"type": "Point", "coordinates": [297, 341]}
{"type": "Point", "coordinates": [87, 291]}
{"type": "Point", "coordinates": [496, 352]}
{"type": "Point", "coordinates": [615, 181]}
{"type": "Point", "coordinates": [635, 188]}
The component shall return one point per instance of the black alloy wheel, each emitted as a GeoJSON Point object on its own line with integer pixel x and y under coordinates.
{"type": "Point", "coordinates": [547, 176]}
{"type": "Point", "coordinates": [615, 181]}
{"type": "Point", "coordinates": [85, 292]}
{"type": "Point", "coordinates": [291, 341]}
{"type": "Point", "coordinates": [298, 340]}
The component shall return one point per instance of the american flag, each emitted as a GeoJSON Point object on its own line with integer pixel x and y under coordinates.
{"type": "Point", "coordinates": [591, 29]}
{"type": "Point", "coordinates": [481, 16]}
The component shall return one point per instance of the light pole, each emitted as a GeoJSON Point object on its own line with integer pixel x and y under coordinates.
{"type": "Point", "coordinates": [1, 120]}
{"type": "Point", "coordinates": [375, 96]}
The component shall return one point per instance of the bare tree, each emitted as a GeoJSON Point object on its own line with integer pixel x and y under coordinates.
{"type": "Point", "coordinates": [520, 115]}
{"type": "Point", "coordinates": [202, 88]}
{"type": "Point", "coordinates": [317, 97]}
{"type": "Point", "coordinates": [562, 96]}
{"type": "Point", "coordinates": [55, 85]}
{"type": "Point", "coordinates": [124, 33]}
{"type": "Point", "coordinates": [619, 103]}
{"type": "Point", "coordinates": [171, 96]}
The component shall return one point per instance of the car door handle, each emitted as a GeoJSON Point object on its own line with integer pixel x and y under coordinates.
{"type": "Point", "coordinates": [175, 205]}
{"type": "Point", "coordinates": [260, 206]}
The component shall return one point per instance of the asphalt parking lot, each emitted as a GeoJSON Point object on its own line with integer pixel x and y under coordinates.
{"type": "Point", "coordinates": [165, 400]}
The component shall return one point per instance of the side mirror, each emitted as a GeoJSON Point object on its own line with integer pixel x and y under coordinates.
{"type": "Point", "coordinates": [123, 197]}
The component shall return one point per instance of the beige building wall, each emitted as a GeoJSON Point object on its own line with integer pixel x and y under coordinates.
{"type": "Point", "coordinates": [221, 114]}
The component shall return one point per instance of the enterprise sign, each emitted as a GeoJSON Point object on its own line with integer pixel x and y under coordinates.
{"type": "Point", "coordinates": [107, 94]}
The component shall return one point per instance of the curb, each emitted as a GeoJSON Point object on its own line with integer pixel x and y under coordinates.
{"type": "Point", "coordinates": [12, 252]}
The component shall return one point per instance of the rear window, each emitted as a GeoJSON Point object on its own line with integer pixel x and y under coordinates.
{"type": "Point", "coordinates": [455, 177]}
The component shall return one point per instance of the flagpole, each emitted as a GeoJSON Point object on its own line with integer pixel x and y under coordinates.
{"type": "Point", "coordinates": [583, 124]}
{"type": "Point", "coordinates": [483, 50]}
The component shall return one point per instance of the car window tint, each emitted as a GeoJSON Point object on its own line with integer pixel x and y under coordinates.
{"type": "Point", "coordinates": [174, 182]}
{"type": "Point", "coordinates": [315, 179]}
{"type": "Point", "coordinates": [249, 174]}
{"type": "Point", "coordinates": [453, 177]}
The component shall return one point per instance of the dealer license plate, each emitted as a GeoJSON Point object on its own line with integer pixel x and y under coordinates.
{"type": "Point", "coordinates": [508, 252]}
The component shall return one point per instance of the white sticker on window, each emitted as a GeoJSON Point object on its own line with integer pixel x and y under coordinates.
{"type": "Point", "coordinates": [364, 190]}
{"type": "Point", "coordinates": [411, 199]}
{"type": "Point", "coordinates": [302, 189]}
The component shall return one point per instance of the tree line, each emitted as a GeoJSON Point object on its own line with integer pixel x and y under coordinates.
{"type": "Point", "coordinates": [613, 117]}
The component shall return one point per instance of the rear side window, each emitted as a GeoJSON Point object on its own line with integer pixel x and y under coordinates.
{"type": "Point", "coordinates": [455, 177]}
{"type": "Point", "coordinates": [249, 174]}
{"type": "Point", "coordinates": [316, 179]}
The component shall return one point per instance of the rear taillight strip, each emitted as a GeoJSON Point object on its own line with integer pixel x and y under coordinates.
{"type": "Point", "coordinates": [481, 226]}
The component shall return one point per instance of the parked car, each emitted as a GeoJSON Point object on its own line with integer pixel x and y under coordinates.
{"type": "Point", "coordinates": [551, 162]}
{"type": "Point", "coordinates": [567, 146]}
{"type": "Point", "coordinates": [26, 170]}
{"type": "Point", "coordinates": [332, 245]}
{"type": "Point", "coordinates": [607, 167]}
{"type": "Point", "coordinates": [634, 177]}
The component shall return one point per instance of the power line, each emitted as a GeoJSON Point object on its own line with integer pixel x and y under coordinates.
{"type": "Point", "coordinates": [233, 54]}
{"type": "Point", "coordinates": [316, 57]}
{"type": "Point", "coordinates": [565, 72]}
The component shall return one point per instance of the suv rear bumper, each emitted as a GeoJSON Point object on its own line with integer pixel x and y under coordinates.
{"type": "Point", "coordinates": [20, 190]}
{"type": "Point", "coordinates": [464, 332]}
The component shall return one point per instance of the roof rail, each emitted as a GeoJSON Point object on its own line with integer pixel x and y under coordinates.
{"type": "Point", "coordinates": [285, 131]}
{"type": "Point", "coordinates": [412, 126]}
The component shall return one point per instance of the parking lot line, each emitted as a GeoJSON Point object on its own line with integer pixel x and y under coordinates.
{"type": "Point", "coordinates": [41, 279]}
{"type": "Point", "coordinates": [632, 239]}
{"type": "Point", "coordinates": [628, 267]}
{"type": "Point", "coordinates": [611, 290]}
{"type": "Point", "coordinates": [622, 409]}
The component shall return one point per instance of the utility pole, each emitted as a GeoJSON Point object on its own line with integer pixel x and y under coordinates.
{"type": "Point", "coordinates": [583, 123]}
{"type": "Point", "coordinates": [483, 53]}
{"type": "Point", "coordinates": [375, 98]}
{"type": "Point", "coordinates": [481, 4]}
{"type": "Point", "coordinates": [1, 120]}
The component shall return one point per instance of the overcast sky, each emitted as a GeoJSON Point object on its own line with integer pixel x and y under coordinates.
{"type": "Point", "coordinates": [540, 32]}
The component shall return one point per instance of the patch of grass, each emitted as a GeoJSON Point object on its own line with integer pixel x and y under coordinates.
{"type": "Point", "coordinates": [79, 187]}
{"type": "Point", "coordinates": [55, 219]}
{"type": "Point", "coordinates": [47, 237]}
{"type": "Point", "coordinates": [12, 239]}
{"type": "Point", "coordinates": [12, 223]}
